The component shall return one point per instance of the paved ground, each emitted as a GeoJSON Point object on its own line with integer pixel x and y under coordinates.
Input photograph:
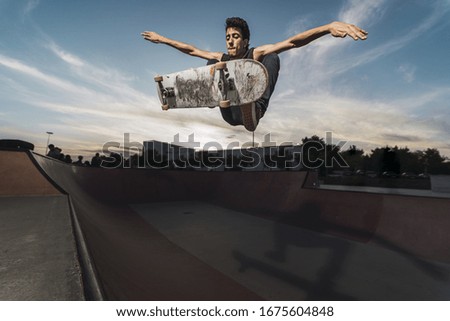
{"type": "Point", "coordinates": [38, 258]}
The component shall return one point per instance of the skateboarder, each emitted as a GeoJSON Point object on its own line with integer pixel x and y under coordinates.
{"type": "Point", "coordinates": [237, 35]}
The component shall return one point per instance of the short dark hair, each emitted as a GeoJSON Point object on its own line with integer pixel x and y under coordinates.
{"type": "Point", "coordinates": [236, 22]}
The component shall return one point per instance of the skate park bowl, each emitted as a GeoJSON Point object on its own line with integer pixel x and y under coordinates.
{"type": "Point", "coordinates": [81, 233]}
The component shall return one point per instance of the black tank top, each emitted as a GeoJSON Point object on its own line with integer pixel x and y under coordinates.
{"type": "Point", "coordinates": [226, 57]}
{"type": "Point", "coordinates": [248, 55]}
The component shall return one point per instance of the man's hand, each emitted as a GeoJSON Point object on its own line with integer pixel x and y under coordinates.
{"type": "Point", "coordinates": [342, 29]}
{"type": "Point", "coordinates": [152, 36]}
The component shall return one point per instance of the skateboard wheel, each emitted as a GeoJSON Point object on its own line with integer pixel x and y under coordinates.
{"type": "Point", "coordinates": [165, 107]}
{"type": "Point", "coordinates": [221, 65]}
{"type": "Point", "coordinates": [158, 78]}
{"type": "Point", "coordinates": [224, 103]}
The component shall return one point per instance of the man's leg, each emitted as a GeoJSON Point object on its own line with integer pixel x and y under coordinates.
{"type": "Point", "coordinates": [250, 114]}
{"type": "Point", "coordinates": [247, 115]}
{"type": "Point", "coordinates": [232, 115]}
{"type": "Point", "coordinates": [272, 64]}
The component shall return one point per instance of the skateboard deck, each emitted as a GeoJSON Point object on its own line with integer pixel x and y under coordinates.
{"type": "Point", "coordinates": [224, 84]}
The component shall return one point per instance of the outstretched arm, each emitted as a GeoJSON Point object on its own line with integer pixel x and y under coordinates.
{"type": "Point", "coordinates": [336, 29]}
{"type": "Point", "coordinates": [181, 46]}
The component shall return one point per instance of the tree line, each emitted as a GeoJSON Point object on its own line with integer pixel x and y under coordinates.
{"type": "Point", "coordinates": [395, 160]}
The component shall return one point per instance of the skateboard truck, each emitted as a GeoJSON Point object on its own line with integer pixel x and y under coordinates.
{"type": "Point", "coordinates": [166, 93]}
{"type": "Point", "coordinates": [223, 84]}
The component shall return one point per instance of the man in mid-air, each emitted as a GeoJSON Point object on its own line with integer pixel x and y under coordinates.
{"type": "Point", "coordinates": [237, 35]}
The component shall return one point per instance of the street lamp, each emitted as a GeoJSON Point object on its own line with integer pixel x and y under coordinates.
{"type": "Point", "coordinates": [48, 142]}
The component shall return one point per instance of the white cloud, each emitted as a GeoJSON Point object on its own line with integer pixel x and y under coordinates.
{"type": "Point", "coordinates": [95, 103]}
{"type": "Point", "coordinates": [367, 123]}
{"type": "Point", "coordinates": [408, 72]}
{"type": "Point", "coordinates": [321, 61]}
{"type": "Point", "coordinates": [67, 57]}
{"type": "Point", "coordinates": [33, 72]}
{"type": "Point", "coordinates": [30, 6]}
{"type": "Point", "coordinates": [100, 104]}
{"type": "Point", "coordinates": [323, 58]}
{"type": "Point", "coordinates": [312, 100]}
{"type": "Point", "coordinates": [366, 12]}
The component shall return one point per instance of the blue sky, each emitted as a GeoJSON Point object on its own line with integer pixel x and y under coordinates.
{"type": "Point", "coordinates": [81, 70]}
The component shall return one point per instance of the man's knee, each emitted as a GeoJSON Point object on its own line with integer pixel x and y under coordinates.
{"type": "Point", "coordinates": [232, 115]}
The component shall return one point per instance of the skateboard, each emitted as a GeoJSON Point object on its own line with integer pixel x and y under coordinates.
{"type": "Point", "coordinates": [224, 84]}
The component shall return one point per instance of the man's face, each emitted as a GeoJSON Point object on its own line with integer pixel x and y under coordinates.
{"type": "Point", "coordinates": [236, 45]}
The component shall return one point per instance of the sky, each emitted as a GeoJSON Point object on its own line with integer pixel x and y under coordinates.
{"type": "Point", "coordinates": [81, 70]}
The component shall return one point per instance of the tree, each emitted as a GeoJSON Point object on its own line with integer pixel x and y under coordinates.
{"type": "Point", "coordinates": [432, 161]}
{"type": "Point", "coordinates": [313, 153]}
{"type": "Point", "coordinates": [354, 158]}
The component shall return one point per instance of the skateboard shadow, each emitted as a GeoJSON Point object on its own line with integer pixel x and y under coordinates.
{"type": "Point", "coordinates": [323, 285]}
{"type": "Point", "coordinates": [316, 291]}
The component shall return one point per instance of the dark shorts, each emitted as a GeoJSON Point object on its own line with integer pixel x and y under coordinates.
{"type": "Point", "coordinates": [233, 115]}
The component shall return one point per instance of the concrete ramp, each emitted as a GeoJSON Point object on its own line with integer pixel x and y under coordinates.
{"type": "Point", "coordinates": [187, 235]}
{"type": "Point", "coordinates": [284, 262]}
{"type": "Point", "coordinates": [133, 260]}
{"type": "Point", "coordinates": [21, 177]}
{"type": "Point", "coordinates": [38, 252]}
